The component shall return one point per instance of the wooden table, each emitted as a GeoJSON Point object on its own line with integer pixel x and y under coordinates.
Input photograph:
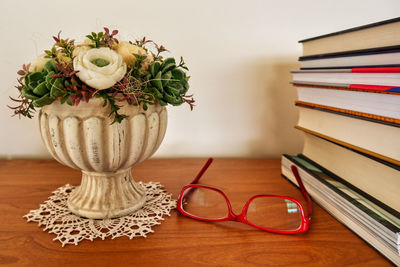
{"type": "Point", "coordinates": [178, 241]}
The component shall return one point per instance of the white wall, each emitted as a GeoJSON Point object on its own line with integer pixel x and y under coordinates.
{"type": "Point", "coordinates": [239, 54]}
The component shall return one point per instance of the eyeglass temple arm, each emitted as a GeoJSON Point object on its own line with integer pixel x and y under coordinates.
{"type": "Point", "coordinates": [198, 176]}
{"type": "Point", "coordinates": [303, 190]}
{"type": "Point", "coordinates": [202, 171]}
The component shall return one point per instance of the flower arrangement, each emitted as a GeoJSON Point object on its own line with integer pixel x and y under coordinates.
{"type": "Point", "coordinates": [103, 67]}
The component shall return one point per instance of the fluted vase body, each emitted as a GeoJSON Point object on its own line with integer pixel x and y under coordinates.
{"type": "Point", "coordinates": [83, 137]}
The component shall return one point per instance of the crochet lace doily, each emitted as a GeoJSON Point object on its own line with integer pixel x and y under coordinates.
{"type": "Point", "coordinates": [54, 215]}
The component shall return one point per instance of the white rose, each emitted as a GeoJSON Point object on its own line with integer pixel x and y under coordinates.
{"type": "Point", "coordinates": [38, 64]}
{"type": "Point", "coordinates": [99, 68]}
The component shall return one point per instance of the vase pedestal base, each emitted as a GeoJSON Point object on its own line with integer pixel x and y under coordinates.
{"type": "Point", "coordinates": [106, 195]}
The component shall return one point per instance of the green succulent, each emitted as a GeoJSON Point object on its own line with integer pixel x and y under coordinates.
{"type": "Point", "coordinates": [167, 82]}
{"type": "Point", "coordinates": [41, 87]}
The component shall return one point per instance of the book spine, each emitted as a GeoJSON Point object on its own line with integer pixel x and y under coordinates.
{"type": "Point", "coordinates": [375, 87]}
{"type": "Point", "coordinates": [386, 160]}
{"type": "Point", "coordinates": [361, 52]}
{"type": "Point", "coordinates": [376, 70]}
{"type": "Point", "coordinates": [391, 121]}
{"type": "Point", "coordinates": [346, 67]}
{"type": "Point", "coordinates": [351, 87]}
{"type": "Point", "coordinates": [351, 70]}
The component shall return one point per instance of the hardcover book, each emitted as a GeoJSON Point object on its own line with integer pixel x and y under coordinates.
{"type": "Point", "coordinates": [379, 104]}
{"type": "Point", "coordinates": [375, 177]}
{"type": "Point", "coordinates": [379, 34]}
{"type": "Point", "coordinates": [388, 76]}
{"type": "Point", "coordinates": [368, 136]}
{"type": "Point", "coordinates": [379, 57]}
{"type": "Point", "coordinates": [374, 222]}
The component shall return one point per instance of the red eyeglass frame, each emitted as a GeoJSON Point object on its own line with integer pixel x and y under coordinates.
{"type": "Point", "coordinates": [242, 217]}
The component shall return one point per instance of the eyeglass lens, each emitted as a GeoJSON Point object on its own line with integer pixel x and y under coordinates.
{"type": "Point", "coordinates": [274, 213]}
{"type": "Point", "coordinates": [267, 212]}
{"type": "Point", "coordinates": [204, 203]}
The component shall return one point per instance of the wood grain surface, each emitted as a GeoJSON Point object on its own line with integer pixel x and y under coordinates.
{"type": "Point", "coordinates": [178, 241]}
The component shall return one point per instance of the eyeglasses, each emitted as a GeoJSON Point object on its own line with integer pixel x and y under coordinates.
{"type": "Point", "coordinates": [272, 213]}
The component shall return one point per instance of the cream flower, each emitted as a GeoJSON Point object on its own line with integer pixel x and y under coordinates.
{"type": "Point", "coordinates": [38, 64]}
{"type": "Point", "coordinates": [99, 68]}
{"type": "Point", "coordinates": [127, 51]}
{"type": "Point", "coordinates": [79, 49]}
{"type": "Point", "coordinates": [63, 58]}
{"type": "Point", "coordinates": [84, 46]}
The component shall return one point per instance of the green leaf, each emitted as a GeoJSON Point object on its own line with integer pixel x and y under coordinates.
{"type": "Point", "coordinates": [178, 74]}
{"type": "Point", "coordinates": [173, 100]}
{"type": "Point", "coordinates": [41, 89]}
{"type": "Point", "coordinates": [173, 91]}
{"type": "Point", "coordinates": [154, 68]}
{"type": "Point", "coordinates": [168, 67]}
{"type": "Point", "coordinates": [50, 66]}
{"type": "Point", "coordinates": [26, 79]}
{"type": "Point", "coordinates": [43, 101]}
{"type": "Point", "coordinates": [62, 101]}
{"type": "Point", "coordinates": [182, 86]}
{"type": "Point", "coordinates": [57, 88]}
{"type": "Point", "coordinates": [176, 85]}
{"type": "Point", "coordinates": [69, 101]}
{"type": "Point", "coordinates": [168, 61]}
{"type": "Point", "coordinates": [168, 64]}
{"type": "Point", "coordinates": [162, 102]}
{"type": "Point", "coordinates": [34, 77]}
{"type": "Point", "coordinates": [49, 79]}
{"type": "Point", "coordinates": [139, 58]}
{"type": "Point", "coordinates": [144, 106]}
{"type": "Point", "coordinates": [48, 86]}
{"type": "Point", "coordinates": [185, 84]}
{"type": "Point", "coordinates": [156, 93]}
{"type": "Point", "coordinates": [28, 94]}
{"type": "Point", "coordinates": [165, 78]}
{"type": "Point", "coordinates": [118, 118]}
{"type": "Point", "coordinates": [157, 81]}
{"type": "Point", "coordinates": [32, 85]}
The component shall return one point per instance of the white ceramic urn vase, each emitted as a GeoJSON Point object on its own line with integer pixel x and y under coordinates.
{"type": "Point", "coordinates": [82, 137]}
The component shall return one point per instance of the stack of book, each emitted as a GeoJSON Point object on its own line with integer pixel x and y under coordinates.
{"type": "Point", "coordinates": [349, 110]}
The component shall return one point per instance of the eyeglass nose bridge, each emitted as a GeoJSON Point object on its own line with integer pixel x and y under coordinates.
{"type": "Point", "coordinates": [234, 217]}
{"type": "Point", "coordinates": [241, 217]}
